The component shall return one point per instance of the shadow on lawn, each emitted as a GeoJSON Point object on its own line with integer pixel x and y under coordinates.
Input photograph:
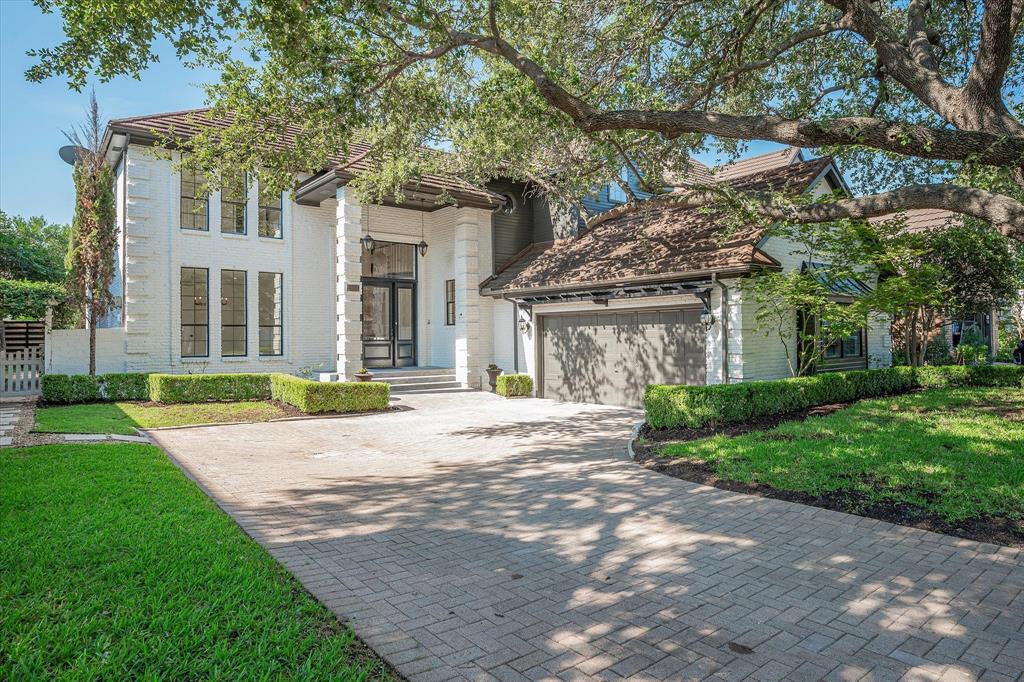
{"type": "Point", "coordinates": [564, 551]}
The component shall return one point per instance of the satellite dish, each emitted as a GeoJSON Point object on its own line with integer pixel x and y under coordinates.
{"type": "Point", "coordinates": [70, 153]}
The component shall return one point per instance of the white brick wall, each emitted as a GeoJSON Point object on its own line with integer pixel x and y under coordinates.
{"type": "Point", "coordinates": [156, 249]}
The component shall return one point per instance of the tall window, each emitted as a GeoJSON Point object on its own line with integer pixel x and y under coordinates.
{"type": "Point", "coordinates": [271, 313]}
{"type": "Point", "coordinates": [449, 302]}
{"type": "Point", "coordinates": [195, 204]}
{"type": "Point", "coordinates": [195, 312]}
{"type": "Point", "coordinates": [232, 204]}
{"type": "Point", "coordinates": [232, 313]}
{"type": "Point", "coordinates": [270, 214]}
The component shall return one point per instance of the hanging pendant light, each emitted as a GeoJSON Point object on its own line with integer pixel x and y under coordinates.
{"type": "Point", "coordinates": [422, 246]}
{"type": "Point", "coordinates": [368, 242]}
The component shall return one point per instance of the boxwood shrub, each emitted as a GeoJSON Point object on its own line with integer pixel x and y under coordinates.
{"type": "Point", "coordinates": [125, 386]}
{"type": "Point", "coordinates": [514, 385]}
{"type": "Point", "coordinates": [313, 397]}
{"type": "Point", "coordinates": [670, 407]}
{"type": "Point", "coordinates": [202, 388]}
{"type": "Point", "coordinates": [64, 389]}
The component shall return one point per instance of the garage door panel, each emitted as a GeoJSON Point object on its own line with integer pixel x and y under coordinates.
{"type": "Point", "coordinates": [611, 357]}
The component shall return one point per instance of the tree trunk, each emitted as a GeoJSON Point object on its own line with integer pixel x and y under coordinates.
{"type": "Point", "coordinates": [92, 340]}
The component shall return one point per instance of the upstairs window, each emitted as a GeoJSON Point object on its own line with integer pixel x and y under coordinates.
{"type": "Point", "coordinates": [232, 205]}
{"type": "Point", "coordinates": [615, 192]}
{"type": "Point", "coordinates": [270, 214]}
{"type": "Point", "coordinates": [195, 203]}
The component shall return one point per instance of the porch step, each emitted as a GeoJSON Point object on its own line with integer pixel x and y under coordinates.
{"type": "Point", "coordinates": [398, 391]}
{"type": "Point", "coordinates": [423, 386]}
{"type": "Point", "coordinates": [406, 379]}
{"type": "Point", "coordinates": [388, 372]}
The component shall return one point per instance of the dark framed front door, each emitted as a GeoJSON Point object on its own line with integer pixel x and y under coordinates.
{"type": "Point", "coordinates": [389, 323]}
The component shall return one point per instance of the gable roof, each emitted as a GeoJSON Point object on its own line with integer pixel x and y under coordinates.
{"type": "Point", "coordinates": [660, 244]}
{"type": "Point", "coordinates": [188, 123]}
{"type": "Point", "coordinates": [758, 164]}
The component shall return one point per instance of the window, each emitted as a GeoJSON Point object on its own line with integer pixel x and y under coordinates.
{"type": "Point", "coordinates": [271, 313]}
{"type": "Point", "coordinates": [449, 302]}
{"type": "Point", "coordinates": [232, 205]}
{"type": "Point", "coordinates": [270, 214]}
{"type": "Point", "coordinates": [195, 204]}
{"type": "Point", "coordinates": [615, 192]}
{"type": "Point", "coordinates": [850, 347]}
{"type": "Point", "coordinates": [390, 259]}
{"type": "Point", "coordinates": [195, 313]}
{"type": "Point", "coordinates": [232, 313]}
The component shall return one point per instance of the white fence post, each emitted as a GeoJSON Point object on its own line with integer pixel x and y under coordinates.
{"type": "Point", "coordinates": [20, 371]}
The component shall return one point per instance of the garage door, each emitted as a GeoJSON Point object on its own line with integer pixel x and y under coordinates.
{"type": "Point", "coordinates": [611, 357]}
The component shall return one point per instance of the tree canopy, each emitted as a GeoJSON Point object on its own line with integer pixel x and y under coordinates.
{"type": "Point", "coordinates": [32, 249]}
{"type": "Point", "coordinates": [919, 100]}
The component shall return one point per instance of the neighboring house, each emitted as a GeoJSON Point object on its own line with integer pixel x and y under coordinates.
{"type": "Point", "coordinates": [242, 281]}
{"type": "Point", "coordinates": [987, 322]}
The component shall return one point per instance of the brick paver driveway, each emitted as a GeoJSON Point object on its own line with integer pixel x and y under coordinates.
{"type": "Point", "coordinates": [477, 537]}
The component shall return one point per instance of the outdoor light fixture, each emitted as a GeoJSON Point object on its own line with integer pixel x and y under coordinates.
{"type": "Point", "coordinates": [524, 326]}
{"type": "Point", "coordinates": [368, 242]}
{"type": "Point", "coordinates": [422, 246]}
{"type": "Point", "coordinates": [707, 319]}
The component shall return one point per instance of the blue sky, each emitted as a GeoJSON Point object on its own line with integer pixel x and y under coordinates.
{"type": "Point", "coordinates": [33, 179]}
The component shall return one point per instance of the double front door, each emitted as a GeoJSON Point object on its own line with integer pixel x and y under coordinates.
{"type": "Point", "coordinates": [389, 323]}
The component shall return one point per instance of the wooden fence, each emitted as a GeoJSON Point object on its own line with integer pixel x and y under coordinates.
{"type": "Point", "coordinates": [20, 370]}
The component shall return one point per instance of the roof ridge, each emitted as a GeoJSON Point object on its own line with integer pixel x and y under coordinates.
{"type": "Point", "coordinates": [131, 119]}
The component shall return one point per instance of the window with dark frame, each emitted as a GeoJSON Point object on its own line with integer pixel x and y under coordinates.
{"type": "Point", "coordinates": [195, 313]}
{"type": "Point", "coordinates": [233, 338]}
{"type": "Point", "coordinates": [233, 197]}
{"type": "Point", "coordinates": [195, 203]}
{"type": "Point", "coordinates": [449, 302]}
{"type": "Point", "coordinates": [850, 347]}
{"type": "Point", "coordinates": [270, 213]}
{"type": "Point", "coordinates": [271, 313]}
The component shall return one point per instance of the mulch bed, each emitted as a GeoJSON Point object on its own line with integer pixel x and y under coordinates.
{"type": "Point", "coordinates": [995, 530]}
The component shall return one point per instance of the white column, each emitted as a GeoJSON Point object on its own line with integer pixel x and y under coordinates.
{"type": "Point", "coordinates": [469, 362]}
{"type": "Point", "coordinates": [348, 231]}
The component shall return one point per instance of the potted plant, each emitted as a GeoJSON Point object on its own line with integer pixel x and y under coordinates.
{"type": "Point", "coordinates": [364, 375]}
{"type": "Point", "coordinates": [493, 372]}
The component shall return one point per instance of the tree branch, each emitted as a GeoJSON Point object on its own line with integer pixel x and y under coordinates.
{"type": "Point", "coordinates": [1004, 213]}
{"type": "Point", "coordinates": [999, 25]}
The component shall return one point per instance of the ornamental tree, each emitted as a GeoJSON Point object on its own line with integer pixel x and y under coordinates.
{"type": "Point", "coordinates": [919, 99]}
{"type": "Point", "coordinates": [90, 259]}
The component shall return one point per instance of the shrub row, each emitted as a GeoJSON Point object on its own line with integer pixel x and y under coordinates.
{"type": "Point", "coordinates": [514, 385]}
{"type": "Point", "coordinates": [64, 389]}
{"type": "Point", "coordinates": [202, 388]}
{"type": "Point", "coordinates": [671, 407]}
{"type": "Point", "coordinates": [313, 397]}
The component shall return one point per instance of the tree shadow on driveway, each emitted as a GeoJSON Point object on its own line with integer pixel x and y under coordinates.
{"type": "Point", "coordinates": [532, 546]}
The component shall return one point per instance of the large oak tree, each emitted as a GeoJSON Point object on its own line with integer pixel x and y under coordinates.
{"type": "Point", "coordinates": [920, 101]}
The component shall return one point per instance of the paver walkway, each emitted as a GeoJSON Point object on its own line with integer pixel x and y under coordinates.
{"type": "Point", "coordinates": [11, 411]}
{"type": "Point", "coordinates": [474, 537]}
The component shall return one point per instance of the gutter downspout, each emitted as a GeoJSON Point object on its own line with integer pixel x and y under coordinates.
{"type": "Point", "coordinates": [725, 326]}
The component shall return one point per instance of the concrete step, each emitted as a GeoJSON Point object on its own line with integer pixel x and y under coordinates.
{"type": "Point", "coordinates": [424, 386]}
{"type": "Point", "coordinates": [411, 371]}
{"type": "Point", "coordinates": [456, 389]}
{"type": "Point", "coordinates": [415, 379]}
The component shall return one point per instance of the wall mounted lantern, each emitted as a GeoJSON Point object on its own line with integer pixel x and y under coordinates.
{"type": "Point", "coordinates": [368, 242]}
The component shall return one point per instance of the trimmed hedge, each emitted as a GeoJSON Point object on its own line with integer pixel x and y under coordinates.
{"type": "Point", "coordinates": [514, 385]}
{"type": "Point", "coordinates": [64, 389]}
{"type": "Point", "coordinates": [671, 407]}
{"type": "Point", "coordinates": [125, 386]}
{"type": "Point", "coordinates": [203, 388]}
{"type": "Point", "coordinates": [313, 397]}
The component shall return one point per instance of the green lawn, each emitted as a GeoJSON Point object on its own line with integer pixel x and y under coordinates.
{"type": "Point", "coordinates": [113, 565]}
{"type": "Point", "coordinates": [956, 453]}
{"type": "Point", "coordinates": [123, 418]}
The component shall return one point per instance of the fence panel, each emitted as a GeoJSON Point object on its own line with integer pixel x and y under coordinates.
{"type": "Point", "coordinates": [20, 370]}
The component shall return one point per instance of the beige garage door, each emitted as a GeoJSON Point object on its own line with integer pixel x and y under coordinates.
{"type": "Point", "coordinates": [611, 357]}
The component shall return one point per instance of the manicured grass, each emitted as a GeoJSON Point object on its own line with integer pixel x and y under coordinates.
{"type": "Point", "coordinates": [123, 418]}
{"type": "Point", "coordinates": [113, 565]}
{"type": "Point", "coordinates": [956, 453]}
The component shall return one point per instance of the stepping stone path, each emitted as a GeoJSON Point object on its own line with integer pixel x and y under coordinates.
{"type": "Point", "coordinates": [11, 411]}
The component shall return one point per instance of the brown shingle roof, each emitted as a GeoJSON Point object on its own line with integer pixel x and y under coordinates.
{"type": "Point", "coordinates": [188, 123]}
{"type": "Point", "coordinates": [758, 164]}
{"type": "Point", "coordinates": [922, 219]}
{"type": "Point", "coordinates": [670, 243]}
